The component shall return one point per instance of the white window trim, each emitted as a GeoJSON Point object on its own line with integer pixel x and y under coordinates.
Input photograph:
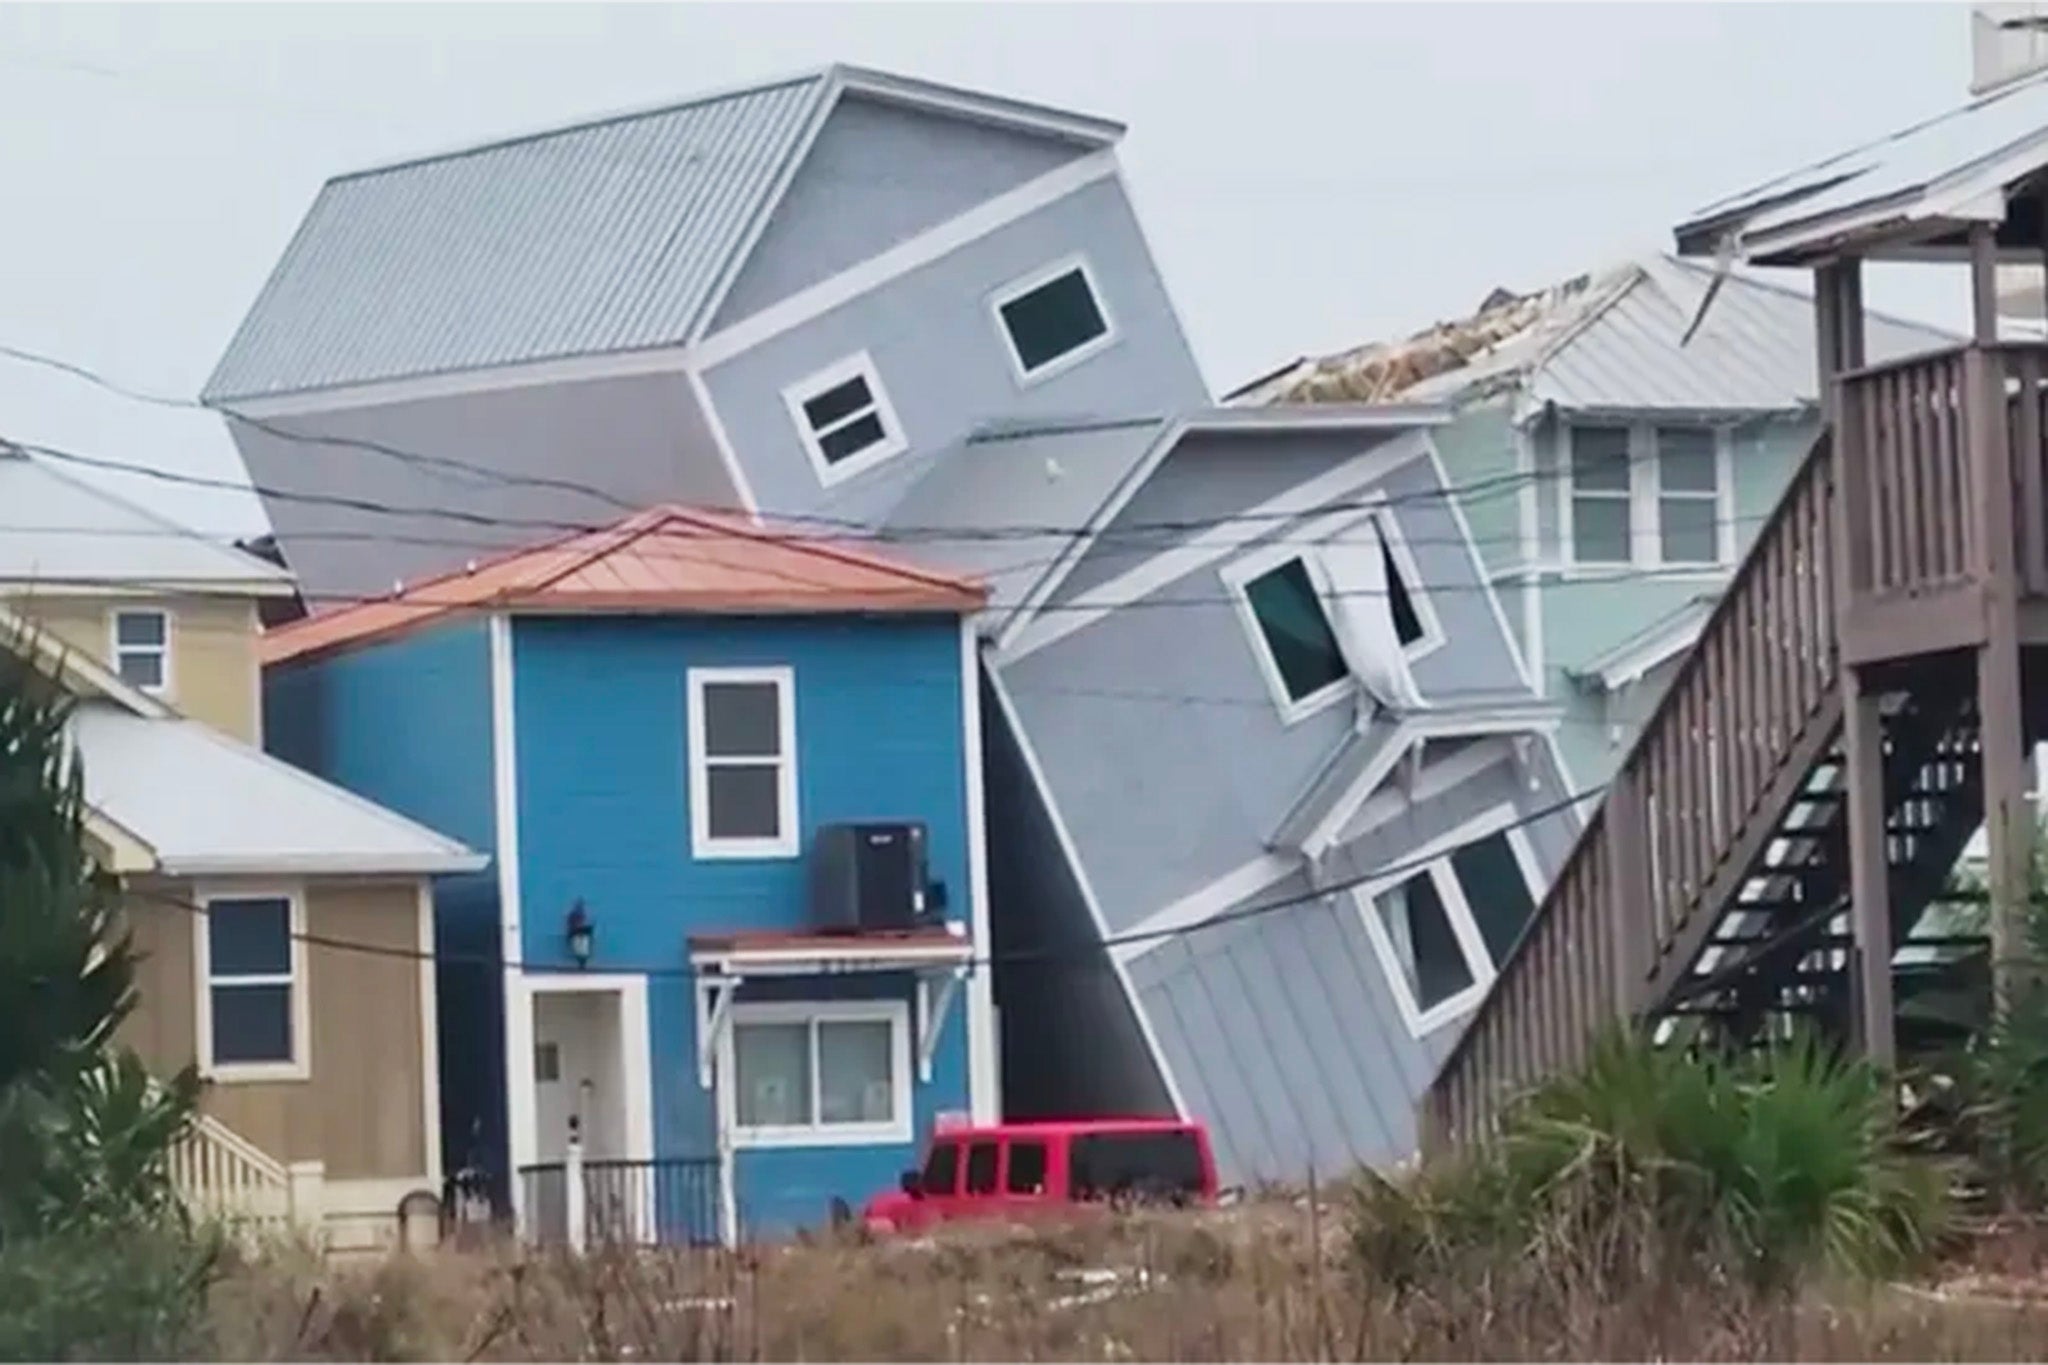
{"type": "Point", "coordinates": [1434, 860]}
{"type": "Point", "coordinates": [300, 1067]}
{"type": "Point", "coordinates": [858, 365]}
{"type": "Point", "coordinates": [164, 689]}
{"type": "Point", "coordinates": [786, 843]}
{"type": "Point", "coordinates": [895, 1013]}
{"type": "Point", "coordinates": [1646, 549]}
{"type": "Point", "coordinates": [1389, 528]}
{"type": "Point", "coordinates": [1237, 576]}
{"type": "Point", "coordinates": [1018, 288]}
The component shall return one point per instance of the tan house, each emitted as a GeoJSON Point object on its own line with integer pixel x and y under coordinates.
{"type": "Point", "coordinates": [287, 924]}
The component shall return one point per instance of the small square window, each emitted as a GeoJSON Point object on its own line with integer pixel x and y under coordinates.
{"type": "Point", "coordinates": [1053, 320]}
{"type": "Point", "coordinates": [1602, 489]}
{"type": "Point", "coordinates": [1688, 495]}
{"type": "Point", "coordinates": [1026, 1173]}
{"type": "Point", "coordinates": [142, 641]}
{"type": "Point", "coordinates": [1297, 634]}
{"type": "Point", "coordinates": [772, 1073]}
{"type": "Point", "coordinates": [844, 418]}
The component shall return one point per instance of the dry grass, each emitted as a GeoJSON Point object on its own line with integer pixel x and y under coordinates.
{"type": "Point", "coordinates": [1267, 1282]}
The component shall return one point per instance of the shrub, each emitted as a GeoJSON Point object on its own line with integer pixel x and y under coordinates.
{"type": "Point", "coordinates": [77, 1296]}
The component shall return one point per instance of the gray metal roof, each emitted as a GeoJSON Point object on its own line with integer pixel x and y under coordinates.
{"type": "Point", "coordinates": [1616, 341]}
{"type": "Point", "coordinates": [608, 236]}
{"type": "Point", "coordinates": [1893, 186]}
{"type": "Point", "coordinates": [61, 530]}
{"type": "Point", "coordinates": [1008, 501]}
{"type": "Point", "coordinates": [611, 235]}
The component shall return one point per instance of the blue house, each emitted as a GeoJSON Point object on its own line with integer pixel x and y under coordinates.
{"type": "Point", "coordinates": [729, 777]}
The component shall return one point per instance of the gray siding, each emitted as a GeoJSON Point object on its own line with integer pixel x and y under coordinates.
{"type": "Point", "coordinates": [935, 344]}
{"type": "Point", "coordinates": [1165, 696]}
{"type": "Point", "coordinates": [639, 439]}
{"type": "Point", "coordinates": [1282, 1027]}
{"type": "Point", "coordinates": [1209, 479]}
{"type": "Point", "coordinates": [877, 175]}
{"type": "Point", "coordinates": [1072, 1045]}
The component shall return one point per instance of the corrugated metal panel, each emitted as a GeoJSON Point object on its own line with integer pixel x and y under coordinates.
{"type": "Point", "coordinates": [606, 237]}
{"type": "Point", "coordinates": [1908, 160]}
{"type": "Point", "coordinates": [1753, 352]}
{"type": "Point", "coordinates": [60, 530]}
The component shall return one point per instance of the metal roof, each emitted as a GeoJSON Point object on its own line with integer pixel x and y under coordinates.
{"type": "Point", "coordinates": [1612, 341]}
{"type": "Point", "coordinates": [259, 814]}
{"type": "Point", "coordinates": [616, 234]}
{"type": "Point", "coordinates": [666, 559]}
{"type": "Point", "coordinates": [58, 530]}
{"type": "Point", "coordinates": [1916, 182]}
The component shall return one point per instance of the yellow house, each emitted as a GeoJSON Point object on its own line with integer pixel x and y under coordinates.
{"type": "Point", "coordinates": [287, 924]}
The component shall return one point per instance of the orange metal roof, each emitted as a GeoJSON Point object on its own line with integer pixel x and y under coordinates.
{"type": "Point", "coordinates": [666, 559]}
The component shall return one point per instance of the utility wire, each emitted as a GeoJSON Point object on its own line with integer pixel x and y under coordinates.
{"type": "Point", "coordinates": [1042, 954]}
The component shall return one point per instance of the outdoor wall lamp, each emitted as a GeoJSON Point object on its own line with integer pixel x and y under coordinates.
{"type": "Point", "coordinates": [581, 934]}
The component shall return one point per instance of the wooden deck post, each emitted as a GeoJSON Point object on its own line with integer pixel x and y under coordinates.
{"type": "Point", "coordinates": [2000, 714]}
{"type": "Point", "coordinates": [1839, 314]}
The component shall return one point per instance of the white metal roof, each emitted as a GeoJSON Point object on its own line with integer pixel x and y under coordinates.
{"type": "Point", "coordinates": [208, 805]}
{"type": "Point", "coordinates": [1918, 182]}
{"type": "Point", "coordinates": [58, 531]}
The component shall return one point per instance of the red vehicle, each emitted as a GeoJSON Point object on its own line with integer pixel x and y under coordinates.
{"type": "Point", "coordinates": [1021, 1170]}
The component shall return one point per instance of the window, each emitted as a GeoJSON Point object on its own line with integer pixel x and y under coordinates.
{"type": "Point", "coordinates": [1297, 634]}
{"type": "Point", "coordinates": [1648, 495]}
{"type": "Point", "coordinates": [1164, 1165]}
{"type": "Point", "coordinates": [1026, 1172]}
{"type": "Point", "coordinates": [142, 649]}
{"type": "Point", "coordinates": [1688, 495]}
{"type": "Point", "coordinates": [1345, 607]}
{"type": "Point", "coordinates": [1442, 931]}
{"type": "Point", "coordinates": [1601, 495]}
{"type": "Point", "coordinates": [818, 1074]}
{"type": "Point", "coordinates": [547, 1062]}
{"type": "Point", "coordinates": [1053, 319]}
{"type": "Point", "coordinates": [742, 725]}
{"type": "Point", "coordinates": [981, 1168]}
{"type": "Point", "coordinates": [941, 1169]}
{"type": "Point", "coordinates": [844, 418]}
{"type": "Point", "coordinates": [252, 1005]}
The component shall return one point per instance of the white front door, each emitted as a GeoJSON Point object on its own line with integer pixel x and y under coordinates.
{"type": "Point", "coordinates": [578, 1073]}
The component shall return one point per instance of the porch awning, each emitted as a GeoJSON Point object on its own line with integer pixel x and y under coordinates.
{"type": "Point", "coordinates": [938, 957]}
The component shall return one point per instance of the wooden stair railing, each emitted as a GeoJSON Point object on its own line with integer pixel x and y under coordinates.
{"type": "Point", "coordinates": [1731, 741]}
{"type": "Point", "coordinates": [218, 1173]}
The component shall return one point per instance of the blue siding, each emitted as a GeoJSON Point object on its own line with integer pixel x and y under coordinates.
{"type": "Point", "coordinates": [604, 817]}
{"type": "Point", "coordinates": [408, 725]}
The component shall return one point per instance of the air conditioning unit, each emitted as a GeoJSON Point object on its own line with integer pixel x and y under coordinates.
{"type": "Point", "coordinates": [869, 875]}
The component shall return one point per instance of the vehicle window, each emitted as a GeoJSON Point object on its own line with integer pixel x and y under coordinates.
{"type": "Point", "coordinates": [981, 1168]}
{"type": "Point", "coordinates": [1027, 1169]}
{"type": "Point", "coordinates": [941, 1169]}
{"type": "Point", "coordinates": [1144, 1165]}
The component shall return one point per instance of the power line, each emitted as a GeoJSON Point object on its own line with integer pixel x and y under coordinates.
{"type": "Point", "coordinates": [1043, 954]}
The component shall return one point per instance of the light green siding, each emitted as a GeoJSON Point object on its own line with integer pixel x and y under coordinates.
{"type": "Point", "coordinates": [1478, 452]}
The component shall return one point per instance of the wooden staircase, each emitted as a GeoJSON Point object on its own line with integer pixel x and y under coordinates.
{"type": "Point", "coordinates": [1709, 898]}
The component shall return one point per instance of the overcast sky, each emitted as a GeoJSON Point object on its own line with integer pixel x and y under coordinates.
{"type": "Point", "coordinates": [1311, 175]}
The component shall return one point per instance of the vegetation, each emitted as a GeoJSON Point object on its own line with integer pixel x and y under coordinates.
{"type": "Point", "coordinates": [94, 1254]}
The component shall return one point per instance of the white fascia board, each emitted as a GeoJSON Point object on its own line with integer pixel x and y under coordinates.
{"type": "Point", "coordinates": [1029, 630]}
{"type": "Point", "coordinates": [1619, 670]}
{"type": "Point", "coordinates": [975, 106]}
{"type": "Point", "coordinates": [319, 864]}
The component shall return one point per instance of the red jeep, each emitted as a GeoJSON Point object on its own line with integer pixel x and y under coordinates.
{"type": "Point", "coordinates": [1022, 1170]}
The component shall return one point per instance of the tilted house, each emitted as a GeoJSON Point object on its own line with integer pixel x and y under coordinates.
{"type": "Point", "coordinates": [242, 877]}
{"type": "Point", "coordinates": [1270, 791]}
{"type": "Point", "coordinates": [855, 303]}
{"type": "Point", "coordinates": [1617, 444]}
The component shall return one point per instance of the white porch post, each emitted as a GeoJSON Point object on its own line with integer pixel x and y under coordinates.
{"type": "Point", "coordinates": [573, 1194]}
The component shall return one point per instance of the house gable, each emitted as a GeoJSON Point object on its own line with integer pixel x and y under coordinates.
{"type": "Point", "coordinates": [878, 174]}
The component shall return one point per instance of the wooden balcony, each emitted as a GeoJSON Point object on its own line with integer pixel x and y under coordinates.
{"type": "Point", "coordinates": [1944, 481]}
